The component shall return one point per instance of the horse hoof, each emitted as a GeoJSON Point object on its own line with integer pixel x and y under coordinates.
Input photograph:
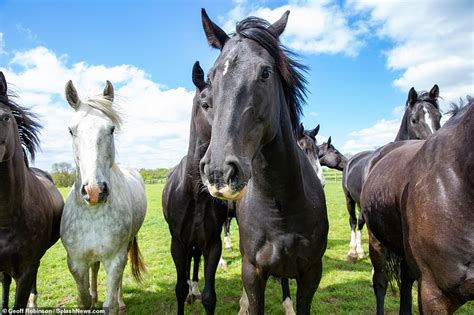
{"type": "Point", "coordinates": [223, 265]}
{"type": "Point", "coordinates": [197, 298]}
{"type": "Point", "coordinates": [32, 301]}
{"type": "Point", "coordinates": [122, 309]}
{"type": "Point", "coordinates": [360, 255]}
{"type": "Point", "coordinates": [190, 299]}
{"type": "Point", "coordinates": [352, 258]}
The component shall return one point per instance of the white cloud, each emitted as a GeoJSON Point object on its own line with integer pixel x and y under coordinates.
{"type": "Point", "coordinates": [432, 42]}
{"type": "Point", "coordinates": [381, 133]}
{"type": "Point", "coordinates": [156, 121]}
{"type": "Point", "coordinates": [314, 27]}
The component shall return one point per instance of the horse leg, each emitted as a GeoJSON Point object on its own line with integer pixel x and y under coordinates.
{"type": "Point", "coordinates": [6, 282]}
{"type": "Point", "coordinates": [351, 208]}
{"type": "Point", "coordinates": [379, 278]}
{"type": "Point", "coordinates": [24, 283]}
{"type": "Point", "coordinates": [254, 282]}
{"type": "Point", "coordinates": [114, 268]}
{"type": "Point", "coordinates": [93, 288]}
{"type": "Point", "coordinates": [181, 262]}
{"type": "Point", "coordinates": [431, 300]}
{"type": "Point", "coordinates": [287, 303]}
{"type": "Point", "coordinates": [80, 272]}
{"type": "Point", "coordinates": [194, 283]}
{"type": "Point", "coordinates": [212, 255]}
{"type": "Point", "coordinates": [227, 241]}
{"type": "Point", "coordinates": [406, 289]}
{"type": "Point", "coordinates": [244, 303]}
{"type": "Point", "coordinates": [32, 300]}
{"type": "Point", "coordinates": [121, 303]}
{"type": "Point", "coordinates": [307, 285]}
{"type": "Point", "coordinates": [358, 239]}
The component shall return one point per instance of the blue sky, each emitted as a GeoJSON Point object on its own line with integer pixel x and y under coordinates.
{"type": "Point", "coordinates": [363, 57]}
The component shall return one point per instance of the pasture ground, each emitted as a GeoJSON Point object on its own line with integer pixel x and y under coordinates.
{"type": "Point", "coordinates": [345, 287]}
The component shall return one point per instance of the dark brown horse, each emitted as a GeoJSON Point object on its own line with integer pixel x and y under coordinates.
{"type": "Point", "coordinates": [330, 156]}
{"type": "Point", "coordinates": [422, 117]}
{"type": "Point", "coordinates": [194, 218]}
{"type": "Point", "coordinates": [418, 206]}
{"type": "Point", "coordinates": [253, 157]}
{"type": "Point", "coordinates": [30, 204]}
{"type": "Point", "coordinates": [307, 143]}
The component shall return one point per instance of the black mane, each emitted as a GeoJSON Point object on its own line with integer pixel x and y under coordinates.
{"type": "Point", "coordinates": [425, 96]}
{"type": "Point", "coordinates": [290, 70]}
{"type": "Point", "coordinates": [28, 126]}
{"type": "Point", "coordinates": [456, 109]}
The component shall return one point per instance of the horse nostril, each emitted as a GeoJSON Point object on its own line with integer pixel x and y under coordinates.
{"type": "Point", "coordinates": [231, 172]}
{"type": "Point", "coordinates": [203, 168]}
{"type": "Point", "coordinates": [83, 190]}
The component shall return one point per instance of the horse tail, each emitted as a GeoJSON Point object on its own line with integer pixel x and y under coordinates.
{"type": "Point", "coordinates": [393, 269]}
{"type": "Point", "coordinates": [136, 259]}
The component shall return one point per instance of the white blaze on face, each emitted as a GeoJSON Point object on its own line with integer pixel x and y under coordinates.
{"type": "Point", "coordinates": [226, 67]}
{"type": "Point", "coordinates": [428, 119]}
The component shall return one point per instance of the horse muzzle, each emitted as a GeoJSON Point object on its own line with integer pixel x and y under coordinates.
{"type": "Point", "coordinates": [226, 192]}
{"type": "Point", "coordinates": [95, 193]}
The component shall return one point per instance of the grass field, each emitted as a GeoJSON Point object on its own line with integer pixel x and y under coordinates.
{"type": "Point", "coordinates": [345, 287]}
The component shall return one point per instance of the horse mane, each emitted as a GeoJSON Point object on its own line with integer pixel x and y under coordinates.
{"type": "Point", "coordinates": [104, 105]}
{"type": "Point", "coordinates": [456, 109]}
{"type": "Point", "coordinates": [425, 96]}
{"type": "Point", "coordinates": [290, 70]}
{"type": "Point", "coordinates": [28, 126]}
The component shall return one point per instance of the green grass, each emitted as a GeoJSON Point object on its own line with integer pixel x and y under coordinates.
{"type": "Point", "coordinates": [345, 287]}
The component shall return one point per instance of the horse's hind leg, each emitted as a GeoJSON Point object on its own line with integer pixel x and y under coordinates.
{"type": "Point", "coordinates": [114, 268]}
{"type": "Point", "coordinates": [212, 255]}
{"type": "Point", "coordinates": [80, 272]}
{"type": "Point", "coordinates": [287, 303]}
{"type": "Point", "coordinates": [122, 307]}
{"type": "Point", "coordinates": [197, 253]}
{"type": "Point", "coordinates": [227, 241]}
{"type": "Point", "coordinates": [406, 289]}
{"type": "Point", "coordinates": [358, 239]}
{"type": "Point", "coordinates": [93, 289]}
{"type": "Point", "coordinates": [351, 208]}
{"type": "Point", "coordinates": [181, 261]}
{"type": "Point", "coordinates": [379, 278]}
{"type": "Point", "coordinates": [307, 285]}
{"type": "Point", "coordinates": [6, 282]}
{"type": "Point", "coordinates": [431, 300]}
{"type": "Point", "coordinates": [32, 300]}
{"type": "Point", "coordinates": [254, 286]}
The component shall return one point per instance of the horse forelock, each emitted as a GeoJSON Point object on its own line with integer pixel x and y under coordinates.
{"type": "Point", "coordinates": [104, 105]}
{"type": "Point", "coordinates": [290, 70]}
{"type": "Point", "coordinates": [28, 126]}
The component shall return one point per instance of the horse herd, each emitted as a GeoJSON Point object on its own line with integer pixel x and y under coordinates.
{"type": "Point", "coordinates": [248, 157]}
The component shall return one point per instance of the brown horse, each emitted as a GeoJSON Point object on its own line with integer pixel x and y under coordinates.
{"type": "Point", "coordinates": [30, 204]}
{"type": "Point", "coordinates": [422, 117]}
{"type": "Point", "coordinates": [419, 211]}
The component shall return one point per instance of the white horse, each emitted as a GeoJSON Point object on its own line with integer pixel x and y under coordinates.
{"type": "Point", "coordinates": [106, 206]}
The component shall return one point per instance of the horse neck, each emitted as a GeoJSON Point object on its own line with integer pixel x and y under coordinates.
{"type": "Point", "coordinates": [278, 171]}
{"type": "Point", "coordinates": [13, 185]}
{"type": "Point", "coordinates": [196, 150]}
{"type": "Point", "coordinates": [403, 131]}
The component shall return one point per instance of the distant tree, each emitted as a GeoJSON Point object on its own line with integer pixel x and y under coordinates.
{"type": "Point", "coordinates": [159, 174]}
{"type": "Point", "coordinates": [63, 174]}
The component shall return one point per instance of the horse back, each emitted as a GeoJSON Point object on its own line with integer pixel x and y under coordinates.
{"type": "Point", "coordinates": [353, 174]}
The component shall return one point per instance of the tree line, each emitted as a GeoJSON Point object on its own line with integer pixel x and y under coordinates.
{"type": "Point", "coordinates": [63, 174]}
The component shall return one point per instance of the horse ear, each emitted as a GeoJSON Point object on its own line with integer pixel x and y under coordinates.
{"type": "Point", "coordinates": [71, 95]}
{"type": "Point", "coordinates": [300, 131]}
{"type": "Point", "coordinates": [198, 76]}
{"type": "Point", "coordinates": [412, 96]}
{"type": "Point", "coordinates": [279, 26]}
{"type": "Point", "coordinates": [314, 132]}
{"type": "Point", "coordinates": [109, 91]}
{"type": "Point", "coordinates": [329, 141]}
{"type": "Point", "coordinates": [3, 85]}
{"type": "Point", "coordinates": [215, 35]}
{"type": "Point", "coordinates": [434, 93]}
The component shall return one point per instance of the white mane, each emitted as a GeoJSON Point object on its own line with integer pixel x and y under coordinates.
{"type": "Point", "coordinates": [104, 104]}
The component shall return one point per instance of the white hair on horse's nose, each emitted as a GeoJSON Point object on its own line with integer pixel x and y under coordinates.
{"type": "Point", "coordinates": [226, 67]}
{"type": "Point", "coordinates": [428, 119]}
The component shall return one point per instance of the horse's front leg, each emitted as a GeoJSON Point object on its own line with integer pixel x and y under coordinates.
{"type": "Point", "coordinates": [80, 272]}
{"type": "Point", "coordinates": [307, 285]}
{"type": "Point", "coordinates": [378, 255]}
{"type": "Point", "coordinates": [254, 282]}
{"type": "Point", "coordinates": [114, 267]}
{"type": "Point", "coordinates": [212, 256]}
{"type": "Point", "coordinates": [33, 299]}
{"type": "Point", "coordinates": [24, 283]}
{"type": "Point", "coordinates": [93, 290]}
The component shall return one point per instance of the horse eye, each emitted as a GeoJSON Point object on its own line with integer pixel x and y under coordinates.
{"type": "Point", "coordinates": [112, 130]}
{"type": "Point", "coordinates": [413, 121]}
{"type": "Point", "coordinates": [70, 131]}
{"type": "Point", "coordinates": [266, 73]}
{"type": "Point", "coordinates": [205, 106]}
{"type": "Point", "coordinates": [7, 118]}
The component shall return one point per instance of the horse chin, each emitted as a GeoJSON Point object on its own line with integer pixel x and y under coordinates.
{"type": "Point", "coordinates": [226, 192]}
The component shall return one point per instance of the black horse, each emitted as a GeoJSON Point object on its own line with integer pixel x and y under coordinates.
{"type": "Point", "coordinates": [307, 142]}
{"type": "Point", "coordinates": [419, 212]}
{"type": "Point", "coordinates": [330, 156]}
{"type": "Point", "coordinates": [253, 157]}
{"type": "Point", "coordinates": [30, 204]}
{"type": "Point", "coordinates": [195, 219]}
{"type": "Point", "coordinates": [422, 117]}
